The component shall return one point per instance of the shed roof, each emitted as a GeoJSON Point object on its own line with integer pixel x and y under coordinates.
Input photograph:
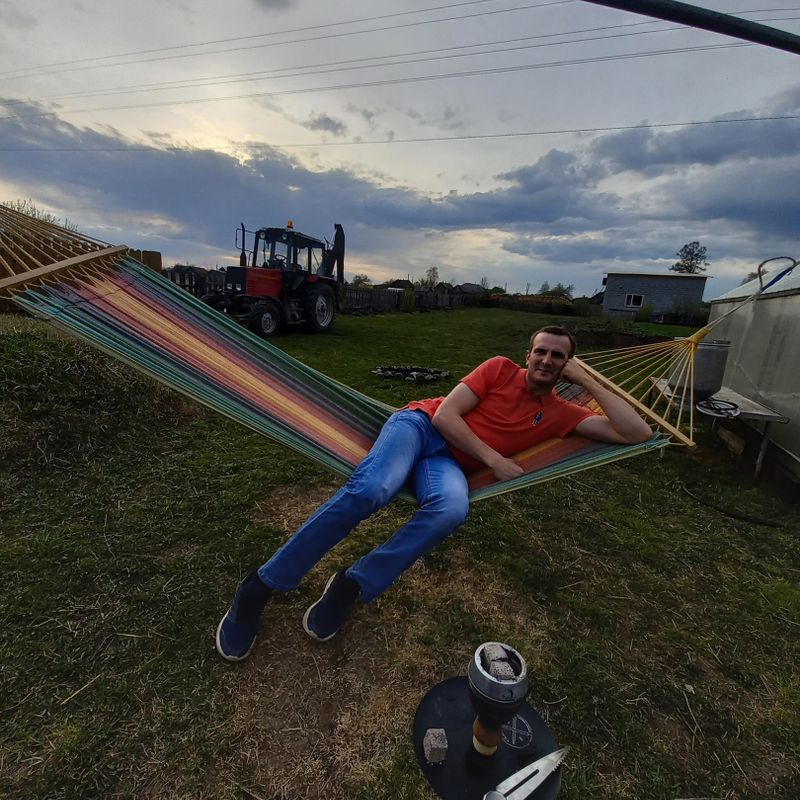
{"type": "Point", "coordinates": [657, 274]}
{"type": "Point", "coordinates": [788, 283]}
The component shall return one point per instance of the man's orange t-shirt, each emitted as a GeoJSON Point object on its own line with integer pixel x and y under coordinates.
{"type": "Point", "coordinates": [508, 417]}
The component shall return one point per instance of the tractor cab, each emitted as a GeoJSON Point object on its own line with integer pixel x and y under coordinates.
{"type": "Point", "coordinates": [282, 248]}
{"type": "Point", "coordinates": [284, 276]}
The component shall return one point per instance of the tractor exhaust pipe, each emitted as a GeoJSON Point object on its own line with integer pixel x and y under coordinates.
{"type": "Point", "coordinates": [243, 254]}
{"type": "Point", "coordinates": [337, 251]}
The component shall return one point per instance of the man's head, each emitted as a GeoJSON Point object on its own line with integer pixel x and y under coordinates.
{"type": "Point", "coordinates": [556, 330]}
{"type": "Point", "coordinates": [551, 347]}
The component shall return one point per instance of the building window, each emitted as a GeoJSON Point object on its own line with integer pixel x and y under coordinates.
{"type": "Point", "coordinates": [633, 300]}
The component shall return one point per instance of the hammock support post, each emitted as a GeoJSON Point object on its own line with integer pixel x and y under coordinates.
{"type": "Point", "coordinates": [713, 21]}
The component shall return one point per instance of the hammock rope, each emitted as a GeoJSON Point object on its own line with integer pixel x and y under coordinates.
{"type": "Point", "coordinates": [658, 379]}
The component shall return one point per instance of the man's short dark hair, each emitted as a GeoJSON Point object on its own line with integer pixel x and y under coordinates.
{"type": "Point", "coordinates": [557, 330]}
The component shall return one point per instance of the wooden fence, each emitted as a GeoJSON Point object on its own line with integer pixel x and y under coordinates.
{"type": "Point", "coordinates": [375, 301]}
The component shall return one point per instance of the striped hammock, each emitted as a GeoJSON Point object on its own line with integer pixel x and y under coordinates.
{"type": "Point", "coordinates": [134, 314]}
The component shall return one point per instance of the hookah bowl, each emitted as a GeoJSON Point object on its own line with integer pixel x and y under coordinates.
{"type": "Point", "coordinates": [498, 685]}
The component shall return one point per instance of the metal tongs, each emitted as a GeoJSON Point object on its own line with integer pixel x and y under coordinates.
{"type": "Point", "coordinates": [527, 780]}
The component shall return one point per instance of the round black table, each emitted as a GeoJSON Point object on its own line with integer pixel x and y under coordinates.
{"type": "Point", "coordinates": [465, 774]}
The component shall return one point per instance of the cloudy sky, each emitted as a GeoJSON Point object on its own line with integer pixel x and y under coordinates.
{"type": "Point", "coordinates": [520, 140]}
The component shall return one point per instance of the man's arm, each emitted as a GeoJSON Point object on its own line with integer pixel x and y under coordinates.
{"type": "Point", "coordinates": [449, 421]}
{"type": "Point", "coordinates": [621, 424]}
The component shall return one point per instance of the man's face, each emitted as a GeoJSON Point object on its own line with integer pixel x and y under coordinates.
{"type": "Point", "coordinates": [546, 359]}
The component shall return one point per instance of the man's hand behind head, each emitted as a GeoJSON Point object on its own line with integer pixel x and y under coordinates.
{"type": "Point", "coordinates": [575, 373]}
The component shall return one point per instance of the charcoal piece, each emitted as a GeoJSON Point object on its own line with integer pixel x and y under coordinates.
{"type": "Point", "coordinates": [494, 652]}
{"type": "Point", "coordinates": [502, 670]}
{"type": "Point", "coordinates": [435, 745]}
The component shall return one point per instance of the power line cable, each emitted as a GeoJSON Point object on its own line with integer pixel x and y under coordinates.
{"type": "Point", "coordinates": [36, 70]}
{"type": "Point", "coordinates": [241, 77]}
{"type": "Point", "coordinates": [62, 70]}
{"type": "Point", "coordinates": [244, 38]}
{"type": "Point", "coordinates": [389, 81]}
{"type": "Point", "coordinates": [411, 140]}
{"type": "Point", "coordinates": [358, 63]}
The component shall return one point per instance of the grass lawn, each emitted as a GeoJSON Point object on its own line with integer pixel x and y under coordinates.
{"type": "Point", "coordinates": [661, 636]}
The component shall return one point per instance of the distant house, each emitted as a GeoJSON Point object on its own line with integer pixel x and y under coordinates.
{"type": "Point", "coordinates": [662, 294]}
{"type": "Point", "coordinates": [470, 288]}
{"type": "Point", "coordinates": [400, 283]}
{"type": "Point", "coordinates": [150, 258]}
{"type": "Point", "coordinates": [195, 280]}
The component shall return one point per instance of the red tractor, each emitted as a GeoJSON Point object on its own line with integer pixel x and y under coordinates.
{"type": "Point", "coordinates": [289, 279]}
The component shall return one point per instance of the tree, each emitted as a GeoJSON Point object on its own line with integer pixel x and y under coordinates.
{"type": "Point", "coordinates": [691, 259]}
{"type": "Point", "coordinates": [563, 291]}
{"type": "Point", "coordinates": [32, 210]}
{"type": "Point", "coordinates": [751, 276]}
{"type": "Point", "coordinates": [485, 283]}
{"type": "Point", "coordinates": [558, 290]}
{"type": "Point", "coordinates": [360, 281]}
{"type": "Point", "coordinates": [432, 276]}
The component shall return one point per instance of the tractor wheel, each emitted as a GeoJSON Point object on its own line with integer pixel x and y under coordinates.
{"type": "Point", "coordinates": [319, 307]}
{"type": "Point", "coordinates": [214, 299]}
{"type": "Point", "coordinates": [266, 318]}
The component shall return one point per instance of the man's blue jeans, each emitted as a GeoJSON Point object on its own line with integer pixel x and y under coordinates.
{"type": "Point", "coordinates": [409, 449]}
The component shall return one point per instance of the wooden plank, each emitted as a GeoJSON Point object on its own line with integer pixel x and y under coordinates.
{"type": "Point", "coordinates": [6, 284]}
{"type": "Point", "coordinates": [638, 405]}
{"type": "Point", "coordinates": [5, 266]}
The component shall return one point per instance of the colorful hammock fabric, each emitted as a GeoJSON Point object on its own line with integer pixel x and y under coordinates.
{"type": "Point", "coordinates": [139, 317]}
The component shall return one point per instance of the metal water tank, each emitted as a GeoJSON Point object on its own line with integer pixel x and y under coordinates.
{"type": "Point", "coordinates": [709, 368]}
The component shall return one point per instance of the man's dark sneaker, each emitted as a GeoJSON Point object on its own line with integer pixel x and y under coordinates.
{"type": "Point", "coordinates": [323, 619]}
{"type": "Point", "coordinates": [236, 633]}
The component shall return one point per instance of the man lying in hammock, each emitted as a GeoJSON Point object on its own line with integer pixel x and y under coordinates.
{"type": "Point", "coordinates": [497, 410]}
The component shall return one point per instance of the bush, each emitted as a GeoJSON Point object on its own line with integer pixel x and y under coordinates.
{"type": "Point", "coordinates": [583, 308]}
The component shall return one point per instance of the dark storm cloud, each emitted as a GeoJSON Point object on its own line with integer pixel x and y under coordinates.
{"type": "Point", "coordinates": [326, 123]}
{"type": "Point", "coordinates": [765, 199]}
{"type": "Point", "coordinates": [559, 209]}
{"type": "Point", "coordinates": [195, 197]}
{"type": "Point", "coordinates": [200, 196]}
{"type": "Point", "coordinates": [558, 192]}
{"type": "Point", "coordinates": [651, 152]}
{"type": "Point", "coordinates": [556, 167]}
{"type": "Point", "coordinates": [612, 245]}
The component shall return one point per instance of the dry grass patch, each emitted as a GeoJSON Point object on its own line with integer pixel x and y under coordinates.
{"type": "Point", "coordinates": [288, 507]}
{"type": "Point", "coordinates": [319, 720]}
{"type": "Point", "coordinates": [309, 716]}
